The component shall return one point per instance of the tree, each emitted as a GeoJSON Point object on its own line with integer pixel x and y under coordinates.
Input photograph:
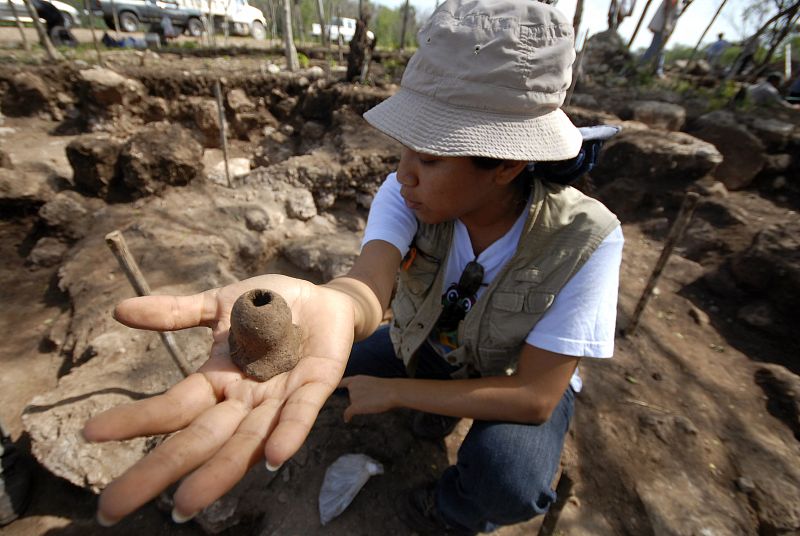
{"type": "Point", "coordinates": [44, 39]}
{"type": "Point", "coordinates": [25, 44]}
{"type": "Point", "coordinates": [576, 20]}
{"type": "Point", "coordinates": [292, 62]}
{"type": "Point", "coordinates": [779, 24]}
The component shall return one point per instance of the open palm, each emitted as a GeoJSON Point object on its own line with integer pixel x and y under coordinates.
{"type": "Point", "coordinates": [225, 422]}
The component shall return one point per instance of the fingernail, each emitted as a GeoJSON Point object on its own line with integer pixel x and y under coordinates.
{"type": "Point", "coordinates": [103, 521]}
{"type": "Point", "coordinates": [272, 468]}
{"type": "Point", "coordinates": [179, 518]}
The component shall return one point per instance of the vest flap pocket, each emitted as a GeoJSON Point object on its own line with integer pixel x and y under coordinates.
{"type": "Point", "coordinates": [508, 301]}
{"type": "Point", "coordinates": [538, 302]}
{"type": "Point", "coordinates": [498, 361]}
{"type": "Point", "coordinates": [420, 274]}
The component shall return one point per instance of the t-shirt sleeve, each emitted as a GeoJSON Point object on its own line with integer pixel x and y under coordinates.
{"type": "Point", "coordinates": [389, 218]}
{"type": "Point", "coordinates": [582, 320]}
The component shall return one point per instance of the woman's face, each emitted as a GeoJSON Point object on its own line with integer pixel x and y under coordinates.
{"type": "Point", "coordinates": [440, 189]}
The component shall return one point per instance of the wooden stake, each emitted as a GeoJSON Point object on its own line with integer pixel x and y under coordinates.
{"type": "Point", "coordinates": [212, 40]}
{"type": "Point", "coordinates": [576, 69]}
{"type": "Point", "coordinates": [222, 131]}
{"type": "Point", "coordinates": [563, 491]}
{"type": "Point", "coordinates": [639, 24]}
{"type": "Point", "coordinates": [25, 44]}
{"type": "Point", "coordinates": [88, 9]}
{"type": "Point", "coordinates": [674, 236]}
{"type": "Point", "coordinates": [116, 242]}
{"type": "Point", "coordinates": [52, 54]}
{"type": "Point", "coordinates": [115, 18]}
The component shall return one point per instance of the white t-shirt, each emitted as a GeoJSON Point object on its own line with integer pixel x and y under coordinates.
{"type": "Point", "coordinates": [580, 322]}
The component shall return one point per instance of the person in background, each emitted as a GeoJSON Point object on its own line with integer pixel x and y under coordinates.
{"type": "Point", "coordinates": [767, 93]}
{"type": "Point", "coordinates": [793, 95]}
{"type": "Point", "coordinates": [662, 24]}
{"type": "Point", "coordinates": [716, 50]}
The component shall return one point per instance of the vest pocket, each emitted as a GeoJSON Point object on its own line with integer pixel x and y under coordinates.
{"type": "Point", "coordinates": [538, 302]}
{"type": "Point", "coordinates": [498, 361]}
{"type": "Point", "coordinates": [420, 275]}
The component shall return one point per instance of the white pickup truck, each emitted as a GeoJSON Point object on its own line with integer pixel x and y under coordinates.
{"type": "Point", "coordinates": [340, 26]}
{"type": "Point", "coordinates": [242, 18]}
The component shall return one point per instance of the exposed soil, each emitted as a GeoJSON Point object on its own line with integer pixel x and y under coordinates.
{"type": "Point", "coordinates": [675, 435]}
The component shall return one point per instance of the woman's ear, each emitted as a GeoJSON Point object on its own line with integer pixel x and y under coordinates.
{"type": "Point", "coordinates": [508, 171]}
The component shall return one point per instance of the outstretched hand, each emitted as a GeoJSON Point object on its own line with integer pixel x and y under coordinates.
{"type": "Point", "coordinates": [225, 422]}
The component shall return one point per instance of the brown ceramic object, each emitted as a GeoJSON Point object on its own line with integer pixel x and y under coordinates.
{"type": "Point", "coordinates": [263, 341]}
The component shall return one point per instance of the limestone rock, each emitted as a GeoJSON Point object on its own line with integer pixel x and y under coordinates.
{"type": "Point", "coordinates": [68, 214]}
{"type": "Point", "coordinates": [330, 256]}
{"type": "Point", "coordinates": [28, 94]}
{"type": "Point", "coordinates": [300, 204]}
{"type": "Point", "coordinates": [743, 153]}
{"type": "Point", "coordinates": [47, 252]}
{"type": "Point", "coordinates": [237, 167]}
{"type": "Point", "coordinates": [23, 189]}
{"type": "Point", "coordinates": [160, 155]}
{"type": "Point", "coordinates": [773, 133]}
{"type": "Point", "coordinates": [94, 162]}
{"type": "Point", "coordinates": [770, 267]}
{"type": "Point", "coordinates": [653, 156]}
{"type": "Point", "coordinates": [656, 114]}
{"type": "Point", "coordinates": [203, 112]}
{"type": "Point", "coordinates": [104, 87]}
{"type": "Point", "coordinates": [606, 53]}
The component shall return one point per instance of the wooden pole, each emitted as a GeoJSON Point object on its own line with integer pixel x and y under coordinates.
{"type": "Point", "coordinates": [576, 70]}
{"type": "Point", "coordinates": [292, 62]}
{"type": "Point", "coordinates": [222, 130]}
{"type": "Point", "coordinates": [116, 242]}
{"type": "Point", "coordinates": [88, 8]}
{"type": "Point", "coordinates": [301, 29]}
{"type": "Point", "coordinates": [115, 18]}
{"type": "Point", "coordinates": [563, 491]}
{"type": "Point", "coordinates": [25, 45]}
{"type": "Point", "coordinates": [403, 28]}
{"type": "Point", "coordinates": [697, 46]}
{"type": "Point", "coordinates": [212, 39]}
{"type": "Point", "coordinates": [674, 236]}
{"type": "Point", "coordinates": [576, 20]}
{"type": "Point", "coordinates": [324, 36]}
{"type": "Point", "coordinates": [44, 39]}
{"type": "Point", "coordinates": [639, 24]}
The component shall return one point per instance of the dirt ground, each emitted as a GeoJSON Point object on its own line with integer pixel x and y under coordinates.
{"type": "Point", "coordinates": [663, 435]}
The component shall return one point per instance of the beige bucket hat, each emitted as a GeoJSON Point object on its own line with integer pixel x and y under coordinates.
{"type": "Point", "coordinates": [488, 79]}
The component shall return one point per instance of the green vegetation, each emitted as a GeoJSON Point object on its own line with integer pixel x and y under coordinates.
{"type": "Point", "coordinates": [303, 60]}
{"type": "Point", "coordinates": [386, 23]}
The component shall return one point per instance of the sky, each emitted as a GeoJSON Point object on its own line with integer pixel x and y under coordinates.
{"type": "Point", "coordinates": [688, 30]}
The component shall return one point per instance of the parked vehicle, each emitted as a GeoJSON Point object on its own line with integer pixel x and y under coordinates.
{"type": "Point", "coordinates": [241, 17]}
{"type": "Point", "coordinates": [71, 15]}
{"type": "Point", "coordinates": [340, 26]}
{"type": "Point", "coordinates": [137, 15]}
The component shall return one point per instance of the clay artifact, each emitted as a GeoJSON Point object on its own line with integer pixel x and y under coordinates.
{"type": "Point", "coordinates": [263, 341]}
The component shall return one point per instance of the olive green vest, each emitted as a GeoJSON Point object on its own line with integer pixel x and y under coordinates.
{"type": "Point", "coordinates": [563, 229]}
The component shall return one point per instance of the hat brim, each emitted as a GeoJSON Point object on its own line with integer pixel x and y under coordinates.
{"type": "Point", "coordinates": [430, 126]}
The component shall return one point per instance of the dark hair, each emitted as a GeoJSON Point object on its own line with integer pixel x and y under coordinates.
{"type": "Point", "coordinates": [775, 77]}
{"type": "Point", "coordinates": [523, 181]}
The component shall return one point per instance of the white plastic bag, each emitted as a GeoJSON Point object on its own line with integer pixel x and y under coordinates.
{"type": "Point", "coordinates": [343, 480]}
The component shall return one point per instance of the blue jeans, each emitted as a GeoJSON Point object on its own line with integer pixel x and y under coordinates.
{"type": "Point", "coordinates": [504, 470]}
{"type": "Point", "coordinates": [651, 52]}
